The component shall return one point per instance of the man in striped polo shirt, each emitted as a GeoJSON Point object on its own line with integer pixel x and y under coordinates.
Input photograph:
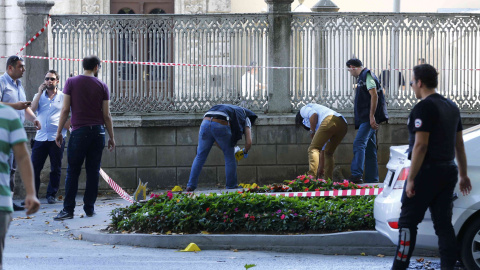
{"type": "Point", "coordinates": [13, 136]}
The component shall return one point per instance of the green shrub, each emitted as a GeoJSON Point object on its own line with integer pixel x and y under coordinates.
{"type": "Point", "coordinates": [245, 213]}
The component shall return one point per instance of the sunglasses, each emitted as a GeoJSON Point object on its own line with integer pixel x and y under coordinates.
{"type": "Point", "coordinates": [15, 58]}
{"type": "Point", "coordinates": [50, 79]}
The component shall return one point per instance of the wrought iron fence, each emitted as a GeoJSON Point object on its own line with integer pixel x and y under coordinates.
{"type": "Point", "coordinates": [198, 44]}
{"type": "Point", "coordinates": [389, 44]}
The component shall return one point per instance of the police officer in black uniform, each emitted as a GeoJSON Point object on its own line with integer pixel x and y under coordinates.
{"type": "Point", "coordinates": [435, 140]}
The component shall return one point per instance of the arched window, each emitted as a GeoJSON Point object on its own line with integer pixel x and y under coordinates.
{"type": "Point", "coordinates": [126, 10]}
{"type": "Point", "coordinates": [157, 11]}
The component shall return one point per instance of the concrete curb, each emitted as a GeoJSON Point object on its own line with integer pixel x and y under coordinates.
{"type": "Point", "coordinates": [345, 243]}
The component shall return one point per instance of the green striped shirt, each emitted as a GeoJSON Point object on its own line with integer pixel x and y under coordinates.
{"type": "Point", "coordinates": [11, 133]}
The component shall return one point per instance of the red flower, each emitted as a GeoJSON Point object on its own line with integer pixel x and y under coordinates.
{"type": "Point", "coordinates": [306, 181]}
{"type": "Point", "coordinates": [224, 220]}
{"type": "Point", "coordinates": [169, 195]}
{"type": "Point", "coordinates": [252, 217]}
{"type": "Point", "coordinates": [306, 189]}
{"type": "Point", "coordinates": [317, 189]}
{"type": "Point", "coordinates": [301, 177]}
{"type": "Point", "coordinates": [231, 220]}
{"type": "Point", "coordinates": [208, 209]}
{"type": "Point", "coordinates": [239, 192]}
{"type": "Point", "coordinates": [283, 216]}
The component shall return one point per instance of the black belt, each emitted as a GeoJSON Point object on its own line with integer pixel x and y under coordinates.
{"type": "Point", "coordinates": [216, 116]}
{"type": "Point", "coordinates": [439, 163]}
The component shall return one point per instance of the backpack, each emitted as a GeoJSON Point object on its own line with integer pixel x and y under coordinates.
{"type": "Point", "coordinates": [381, 114]}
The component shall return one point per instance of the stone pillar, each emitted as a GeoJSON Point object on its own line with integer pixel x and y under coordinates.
{"type": "Point", "coordinates": [35, 16]}
{"type": "Point", "coordinates": [279, 49]}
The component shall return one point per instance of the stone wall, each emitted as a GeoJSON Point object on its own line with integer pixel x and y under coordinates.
{"type": "Point", "coordinates": [160, 150]}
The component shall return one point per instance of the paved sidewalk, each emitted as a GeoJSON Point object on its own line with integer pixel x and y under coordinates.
{"type": "Point", "coordinates": [93, 229]}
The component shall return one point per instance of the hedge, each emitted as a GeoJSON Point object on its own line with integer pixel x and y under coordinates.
{"type": "Point", "coordinates": [240, 212]}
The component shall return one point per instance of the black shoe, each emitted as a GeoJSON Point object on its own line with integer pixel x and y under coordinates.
{"type": "Point", "coordinates": [51, 200]}
{"type": "Point", "coordinates": [189, 189]}
{"type": "Point", "coordinates": [22, 203]}
{"type": "Point", "coordinates": [91, 214]}
{"type": "Point", "coordinates": [355, 179]}
{"type": "Point", "coordinates": [18, 207]}
{"type": "Point", "coordinates": [63, 215]}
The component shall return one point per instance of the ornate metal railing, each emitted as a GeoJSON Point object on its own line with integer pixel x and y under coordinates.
{"type": "Point", "coordinates": [206, 40]}
{"type": "Point", "coordinates": [389, 44]}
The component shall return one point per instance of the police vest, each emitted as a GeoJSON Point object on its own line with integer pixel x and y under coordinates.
{"type": "Point", "coordinates": [363, 99]}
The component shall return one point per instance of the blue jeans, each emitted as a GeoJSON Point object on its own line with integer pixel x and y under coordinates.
{"type": "Point", "coordinates": [40, 152]}
{"type": "Point", "coordinates": [211, 132]}
{"type": "Point", "coordinates": [85, 144]}
{"type": "Point", "coordinates": [365, 153]}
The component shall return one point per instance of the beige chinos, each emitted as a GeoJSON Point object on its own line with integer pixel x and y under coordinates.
{"type": "Point", "coordinates": [332, 128]}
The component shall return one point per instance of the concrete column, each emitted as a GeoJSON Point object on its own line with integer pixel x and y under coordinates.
{"type": "Point", "coordinates": [279, 49]}
{"type": "Point", "coordinates": [35, 16]}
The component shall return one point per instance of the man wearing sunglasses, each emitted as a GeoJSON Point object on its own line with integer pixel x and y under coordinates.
{"type": "Point", "coordinates": [48, 103]}
{"type": "Point", "coordinates": [13, 95]}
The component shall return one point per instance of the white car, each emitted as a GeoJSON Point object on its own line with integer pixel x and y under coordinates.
{"type": "Point", "coordinates": [466, 209]}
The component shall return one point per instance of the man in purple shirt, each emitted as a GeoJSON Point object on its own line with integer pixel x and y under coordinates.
{"type": "Point", "coordinates": [89, 98]}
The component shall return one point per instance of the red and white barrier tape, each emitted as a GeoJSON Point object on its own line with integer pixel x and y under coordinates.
{"type": "Point", "coordinates": [35, 36]}
{"type": "Point", "coordinates": [330, 193]}
{"type": "Point", "coordinates": [201, 65]}
{"type": "Point", "coordinates": [116, 187]}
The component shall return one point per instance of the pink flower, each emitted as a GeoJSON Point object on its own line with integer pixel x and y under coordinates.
{"type": "Point", "coordinates": [169, 195]}
{"type": "Point", "coordinates": [236, 209]}
{"type": "Point", "coordinates": [282, 217]}
{"type": "Point", "coordinates": [310, 176]}
{"type": "Point", "coordinates": [301, 177]}
{"type": "Point", "coordinates": [246, 215]}
{"type": "Point", "coordinates": [306, 181]}
{"type": "Point", "coordinates": [279, 211]}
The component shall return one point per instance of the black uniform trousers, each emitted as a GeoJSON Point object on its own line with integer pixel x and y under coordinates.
{"type": "Point", "coordinates": [434, 186]}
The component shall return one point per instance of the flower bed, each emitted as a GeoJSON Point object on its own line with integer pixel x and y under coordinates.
{"type": "Point", "coordinates": [305, 183]}
{"type": "Point", "coordinates": [244, 213]}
